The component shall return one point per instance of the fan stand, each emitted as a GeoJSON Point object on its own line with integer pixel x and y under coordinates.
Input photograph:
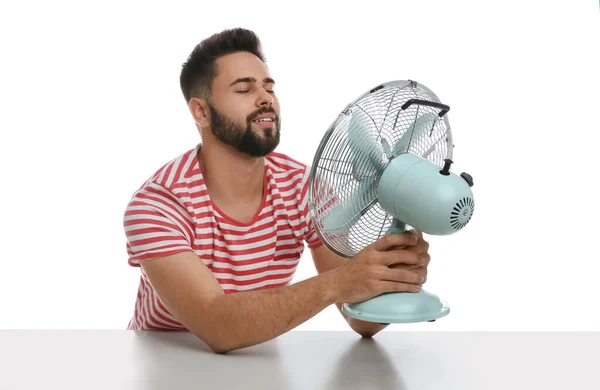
{"type": "Point", "coordinates": [398, 307]}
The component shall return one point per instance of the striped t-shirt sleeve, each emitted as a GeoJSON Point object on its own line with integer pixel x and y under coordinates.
{"type": "Point", "coordinates": [156, 224]}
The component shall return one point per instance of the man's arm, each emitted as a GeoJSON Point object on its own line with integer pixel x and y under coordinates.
{"type": "Point", "coordinates": [192, 294]}
{"type": "Point", "coordinates": [194, 297]}
{"type": "Point", "coordinates": [326, 261]}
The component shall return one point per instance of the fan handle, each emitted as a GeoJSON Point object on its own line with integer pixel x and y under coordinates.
{"type": "Point", "coordinates": [443, 107]}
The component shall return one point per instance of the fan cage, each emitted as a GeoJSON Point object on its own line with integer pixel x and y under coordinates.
{"type": "Point", "coordinates": [335, 175]}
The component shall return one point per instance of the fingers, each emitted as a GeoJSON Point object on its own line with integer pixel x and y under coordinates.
{"type": "Point", "coordinates": [421, 269]}
{"type": "Point", "coordinates": [422, 247]}
{"type": "Point", "coordinates": [392, 257]}
{"type": "Point", "coordinates": [425, 258]}
{"type": "Point", "coordinates": [409, 267]}
{"type": "Point", "coordinates": [389, 241]}
{"type": "Point", "coordinates": [398, 287]}
{"type": "Point", "coordinates": [422, 272]}
{"type": "Point", "coordinates": [399, 247]}
{"type": "Point", "coordinates": [415, 232]}
{"type": "Point", "coordinates": [402, 276]}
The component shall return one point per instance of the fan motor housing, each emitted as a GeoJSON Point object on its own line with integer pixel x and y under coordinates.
{"type": "Point", "coordinates": [415, 191]}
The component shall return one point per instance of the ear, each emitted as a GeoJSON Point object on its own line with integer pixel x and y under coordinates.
{"type": "Point", "coordinates": [200, 112]}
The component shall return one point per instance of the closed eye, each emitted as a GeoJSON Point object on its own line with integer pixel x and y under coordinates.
{"type": "Point", "coordinates": [246, 91]}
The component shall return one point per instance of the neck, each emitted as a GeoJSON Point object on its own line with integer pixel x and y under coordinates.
{"type": "Point", "coordinates": [230, 176]}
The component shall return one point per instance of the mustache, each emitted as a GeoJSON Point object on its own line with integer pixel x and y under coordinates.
{"type": "Point", "coordinates": [262, 110]}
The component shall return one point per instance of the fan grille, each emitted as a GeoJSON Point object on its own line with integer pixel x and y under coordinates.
{"type": "Point", "coordinates": [335, 175]}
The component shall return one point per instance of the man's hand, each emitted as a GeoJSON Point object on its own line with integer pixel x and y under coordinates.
{"type": "Point", "coordinates": [420, 248]}
{"type": "Point", "coordinates": [370, 273]}
{"type": "Point", "coordinates": [325, 261]}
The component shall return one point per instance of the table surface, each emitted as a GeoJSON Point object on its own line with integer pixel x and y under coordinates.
{"type": "Point", "coordinates": [107, 359]}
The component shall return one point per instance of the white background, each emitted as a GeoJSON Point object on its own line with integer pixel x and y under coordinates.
{"type": "Point", "coordinates": [90, 106]}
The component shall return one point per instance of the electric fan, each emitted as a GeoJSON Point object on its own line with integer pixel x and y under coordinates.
{"type": "Point", "coordinates": [384, 166]}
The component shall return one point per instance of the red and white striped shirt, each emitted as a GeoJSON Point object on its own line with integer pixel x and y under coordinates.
{"type": "Point", "coordinates": [172, 212]}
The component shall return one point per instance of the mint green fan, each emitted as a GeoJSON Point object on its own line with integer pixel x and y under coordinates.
{"type": "Point", "coordinates": [384, 166]}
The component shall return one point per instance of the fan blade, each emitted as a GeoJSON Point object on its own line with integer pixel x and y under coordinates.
{"type": "Point", "coordinates": [417, 129]}
{"type": "Point", "coordinates": [428, 151]}
{"type": "Point", "coordinates": [367, 154]}
{"type": "Point", "coordinates": [346, 213]}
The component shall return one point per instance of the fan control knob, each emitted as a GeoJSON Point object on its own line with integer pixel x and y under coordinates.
{"type": "Point", "coordinates": [468, 178]}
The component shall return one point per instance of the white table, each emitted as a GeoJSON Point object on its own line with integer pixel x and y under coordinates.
{"type": "Point", "coordinates": [105, 359]}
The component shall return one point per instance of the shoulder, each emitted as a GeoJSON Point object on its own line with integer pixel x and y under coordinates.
{"type": "Point", "coordinates": [178, 170]}
{"type": "Point", "coordinates": [174, 180]}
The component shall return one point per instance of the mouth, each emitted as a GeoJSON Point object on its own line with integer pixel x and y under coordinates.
{"type": "Point", "coordinates": [265, 121]}
{"type": "Point", "coordinates": [267, 118]}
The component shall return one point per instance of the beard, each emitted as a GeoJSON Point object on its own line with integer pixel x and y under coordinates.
{"type": "Point", "coordinates": [244, 139]}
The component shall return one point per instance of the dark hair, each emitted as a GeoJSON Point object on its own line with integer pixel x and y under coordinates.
{"type": "Point", "coordinates": [199, 71]}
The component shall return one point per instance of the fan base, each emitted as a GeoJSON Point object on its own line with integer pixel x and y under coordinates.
{"type": "Point", "coordinates": [398, 307]}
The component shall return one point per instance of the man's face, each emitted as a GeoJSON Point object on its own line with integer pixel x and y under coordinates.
{"type": "Point", "coordinates": [244, 111]}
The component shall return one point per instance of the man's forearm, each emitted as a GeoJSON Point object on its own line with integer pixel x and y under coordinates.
{"type": "Point", "coordinates": [247, 318]}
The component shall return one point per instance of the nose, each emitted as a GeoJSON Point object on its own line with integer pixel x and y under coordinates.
{"type": "Point", "coordinates": [264, 99]}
